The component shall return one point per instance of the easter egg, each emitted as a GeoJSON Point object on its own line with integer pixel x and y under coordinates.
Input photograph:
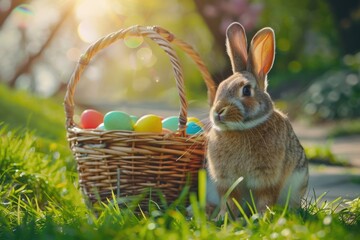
{"type": "Point", "coordinates": [148, 123]}
{"type": "Point", "coordinates": [101, 127]}
{"type": "Point", "coordinates": [117, 120]}
{"type": "Point", "coordinates": [193, 128]}
{"type": "Point", "coordinates": [91, 118]}
{"type": "Point", "coordinates": [195, 120]}
{"type": "Point", "coordinates": [171, 123]}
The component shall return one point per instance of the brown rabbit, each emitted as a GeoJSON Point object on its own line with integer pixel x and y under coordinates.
{"type": "Point", "coordinates": [250, 138]}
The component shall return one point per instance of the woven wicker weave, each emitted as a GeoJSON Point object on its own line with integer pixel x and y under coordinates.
{"type": "Point", "coordinates": [126, 163]}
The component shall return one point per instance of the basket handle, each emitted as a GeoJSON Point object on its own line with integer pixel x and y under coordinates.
{"type": "Point", "coordinates": [189, 50]}
{"type": "Point", "coordinates": [163, 38]}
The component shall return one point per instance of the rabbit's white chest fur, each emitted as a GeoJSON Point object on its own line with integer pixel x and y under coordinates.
{"type": "Point", "coordinates": [246, 153]}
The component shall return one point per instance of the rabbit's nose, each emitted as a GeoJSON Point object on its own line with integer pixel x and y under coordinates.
{"type": "Point", "coordinates": [221, 113]}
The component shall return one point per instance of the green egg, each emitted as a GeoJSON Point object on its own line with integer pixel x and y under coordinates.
{"type": "Point", "coordinates": [117, 120]}
{"type": "Point", "coordinates": [171, 123]}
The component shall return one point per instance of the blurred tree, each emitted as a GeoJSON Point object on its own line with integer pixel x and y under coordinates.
{"type": "Point", "coordinates": [335, 93]}
{"type": "Point", "coordinates": [305, 35]}
{"type": "Point", "coordinates": [29, 61]}
{"type": "Point", "coordinates": [44, 47]}
{"type": "Point", "coordinates": [41, 50]}
{"type": "Point", "coordinates": [347, 16]}
{"type": "Point", "coordinates": [28, 31]}
{"type": "Point", "coordinates": [219, 14]}
{"type": "Point", "coordinates": [306, 41]}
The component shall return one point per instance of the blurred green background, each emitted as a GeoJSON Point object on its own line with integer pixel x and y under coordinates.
{"type": "Point", "coordinates": [316, 71]}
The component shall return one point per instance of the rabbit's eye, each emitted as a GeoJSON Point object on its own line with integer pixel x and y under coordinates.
{"type": "Point", "coordinates": [246, 91]}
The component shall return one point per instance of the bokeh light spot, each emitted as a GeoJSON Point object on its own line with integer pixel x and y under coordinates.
{"type": "Point", "coordinates": [145, 55]}
{"type": "Point", "coordinates": [310, 108]}
{"type": "Point", "coordinates": [333, 96]}
{"type": "Point", "coordinates": [317, 98]}
{"type": "Point", "coordinates": [91, 9]}
{"type": "Point", "coordinates": [133, 41]}
{"type": "Point", "coordinates": [46, 81]}
{"type": "Point", "coordinates": [352, 79]}
{"type": "Point", "coordinates": [87, 32]}
{"type": "Point", "coordinates": [295, 66]}
{"type": "Point", "coordinates": [283, 44]}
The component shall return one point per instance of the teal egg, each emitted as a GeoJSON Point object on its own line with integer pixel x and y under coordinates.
{"type": "Point", "coordinates": [171, 123]}
{"type": "Point", "coordinates": [193, 128]}
{"type": "Point", "coordinates": [117, 120]}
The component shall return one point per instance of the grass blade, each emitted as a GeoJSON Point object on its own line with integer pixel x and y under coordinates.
{"type": "Point", "coordinates": [242, 211]}
{"type": "Point", "coordinates": [232, 187]}
{"type": "Point", "coordinates": [286, 203]}
{"type": "Point", "coordinates": [254, 209]}
{"type": "Point", "coordinates": [202, 188]}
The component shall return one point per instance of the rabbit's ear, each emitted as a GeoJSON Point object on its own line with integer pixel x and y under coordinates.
{"type": "Point", "coordinates": [236, 45]}
{"type": "Point", "coordinates": [261, 55]}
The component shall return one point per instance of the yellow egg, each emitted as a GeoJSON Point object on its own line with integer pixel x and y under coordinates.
{"type": "Point", "coordinates": [148, 123]}
{"type": "Point", "coordinates": [195, 120]}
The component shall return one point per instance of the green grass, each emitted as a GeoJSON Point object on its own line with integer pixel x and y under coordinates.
{"type": "Point", "coordinates": [346, 128]}
{"type": "Point", "coordinates": [40, 198]}
{"type": "Point", "coordinates": [21, 110]}
{"type": "Point", "coordinates": [322, 154]}
{"type": "Point", "coordinates": [44, 118]}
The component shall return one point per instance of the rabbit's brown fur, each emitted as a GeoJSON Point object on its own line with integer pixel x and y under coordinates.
{"type": "Point", "coordinates": [249, 138]}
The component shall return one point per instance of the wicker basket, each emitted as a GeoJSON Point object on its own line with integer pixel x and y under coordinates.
{"type": "Point", "coordinates": [126, 163]}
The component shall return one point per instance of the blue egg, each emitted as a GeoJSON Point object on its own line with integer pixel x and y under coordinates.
{"type": "Point", "coordinates": [193, 128]}
{"type": "Point", "coordinates": [171, 123]}
{"type": "Point", "coordinates": [101, 126]}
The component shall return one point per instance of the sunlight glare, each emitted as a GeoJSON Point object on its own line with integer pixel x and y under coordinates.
{"type": "Point", "coordinates": [45, 81]}
{"type": "Point", "coordinates": [87, 32]}
{"type": "Point", "coordinates": [91, 9]}
{"type": "Point", "coordinates": [145, 55]}
{"type": "Point", "coordinates": [90, 15]}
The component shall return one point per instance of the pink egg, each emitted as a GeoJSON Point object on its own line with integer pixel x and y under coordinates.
{"type": "Point", "coordinates": [91, 119]}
